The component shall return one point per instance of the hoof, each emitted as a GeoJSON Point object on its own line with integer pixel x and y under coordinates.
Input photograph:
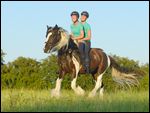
{"type": "Point", "coordinates": [91, 94]}
{"type": "Point", "coordinates": [55, 93]}
{"type": "Point", "coordinates": [80, 91]}
{"type": "Point", "coordinates": [101, 93]}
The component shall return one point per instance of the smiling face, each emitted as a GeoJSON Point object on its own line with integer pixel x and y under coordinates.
{"type": "Point", "coordinates": [74, 18]}
{"type": "Point", "coordinates": [83, 18]}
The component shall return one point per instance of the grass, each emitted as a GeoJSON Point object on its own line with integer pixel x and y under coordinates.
{"type": "Point", "coordinates": [40, 100]}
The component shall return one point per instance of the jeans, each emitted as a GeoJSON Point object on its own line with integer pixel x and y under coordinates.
{"type": "Point", "coordinates": [84, 49]}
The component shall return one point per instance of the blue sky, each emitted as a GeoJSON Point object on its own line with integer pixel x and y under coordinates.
{"type": "Point", "coordinates": [120, 28]}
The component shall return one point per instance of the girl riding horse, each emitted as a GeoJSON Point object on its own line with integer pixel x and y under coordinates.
{"type": "Point", "coordinates": [81, 32]}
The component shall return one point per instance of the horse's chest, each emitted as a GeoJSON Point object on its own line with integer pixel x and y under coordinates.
{"type": "Point", "coordinates": [65, 62]}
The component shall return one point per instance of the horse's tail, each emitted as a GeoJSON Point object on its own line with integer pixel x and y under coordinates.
{"type": "Point", "coordinates": [124, 76]}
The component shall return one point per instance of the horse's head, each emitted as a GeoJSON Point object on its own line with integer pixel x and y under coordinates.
{"type": "Point", "coordinates": [56, 38]}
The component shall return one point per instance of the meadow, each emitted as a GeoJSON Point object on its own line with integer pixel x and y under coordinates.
{"type": "Point", "coordinates": [40, 100]}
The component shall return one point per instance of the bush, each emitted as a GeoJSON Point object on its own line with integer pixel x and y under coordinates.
{"type": "Point", "coordinates": [31, 74]}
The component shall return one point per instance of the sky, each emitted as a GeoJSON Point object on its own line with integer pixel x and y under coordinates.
{"type": "Point", "coordinates": [120, 28]}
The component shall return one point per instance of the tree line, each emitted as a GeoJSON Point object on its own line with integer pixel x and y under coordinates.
{"type": "Point", "coordinates": [32, 74]}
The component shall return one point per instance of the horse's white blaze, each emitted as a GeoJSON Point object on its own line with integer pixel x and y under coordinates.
{"type": "Point", "coordinates": [56, 92]}
{"type": "Point", "coordinates": [97, 86]}
{"type": "Point", "coordinates": [78, 90]}
{"type": "Point", "coordinates": [48, 36]}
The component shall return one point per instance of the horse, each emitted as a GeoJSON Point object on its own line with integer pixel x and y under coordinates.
{"type": "Point", "coordinates": [59, 40]}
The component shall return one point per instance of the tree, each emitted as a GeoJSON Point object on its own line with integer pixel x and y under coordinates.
{"type": "Point", "coordinates": [2, 57]}
{"type": "Point", "coordinates": [31, 74]}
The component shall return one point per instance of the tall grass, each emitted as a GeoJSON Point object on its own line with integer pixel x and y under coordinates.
{"type": "Point", "coordinates": [34, 100]}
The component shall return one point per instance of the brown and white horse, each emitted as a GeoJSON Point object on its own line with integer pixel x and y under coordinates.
{"type": "Point", "coordinates": [58, 39]}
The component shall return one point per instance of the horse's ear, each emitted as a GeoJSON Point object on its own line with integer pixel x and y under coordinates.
{"type": "Point", "coordinates": [47, 26]}
{"type": "Point", "coordinates": [56, 26]}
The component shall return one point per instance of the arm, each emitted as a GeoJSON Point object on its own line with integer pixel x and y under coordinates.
{"type": "Point", "coordinates": [88, 37]}
{"type": "Point", "coordinates": [79, 37]}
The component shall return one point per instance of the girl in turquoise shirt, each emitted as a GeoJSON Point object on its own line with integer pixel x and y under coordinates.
{"type": "Point", "coordinates": [77, 33]}
{"type": "Point", "coordinates": [76, 27]}
{"type": "Point", "coordinates": [86, 39]}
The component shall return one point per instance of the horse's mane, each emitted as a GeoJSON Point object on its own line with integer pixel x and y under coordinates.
{"type": "Point", "coordinates": [71, 43]}
{"type": "Point", "coordinates": [63, 30]}
{"type": "Point", "coordinates": [71, 46]}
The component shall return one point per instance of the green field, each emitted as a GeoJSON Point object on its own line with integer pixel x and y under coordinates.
{"type": "Point", "coordinates": [34, 100]}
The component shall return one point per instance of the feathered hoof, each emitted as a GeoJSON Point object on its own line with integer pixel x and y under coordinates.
{"type": "Point", "coordinates": [91, 95]}
{"type": "Point", "coordinates": [101, 93]}
{"type": "Point", "coordinates": [81, 91]}
{"type": "Point", "coordinates": [55, 93]}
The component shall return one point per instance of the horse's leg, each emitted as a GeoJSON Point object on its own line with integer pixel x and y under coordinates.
{"type": "Point", "coordinates": [56, 91]}
{"type": "Point", "coordinates": [101, 91]}
{"type": "Point", "coordinates": [78, 90]}
{"type": "Point", "coordinates": [97, 86]}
